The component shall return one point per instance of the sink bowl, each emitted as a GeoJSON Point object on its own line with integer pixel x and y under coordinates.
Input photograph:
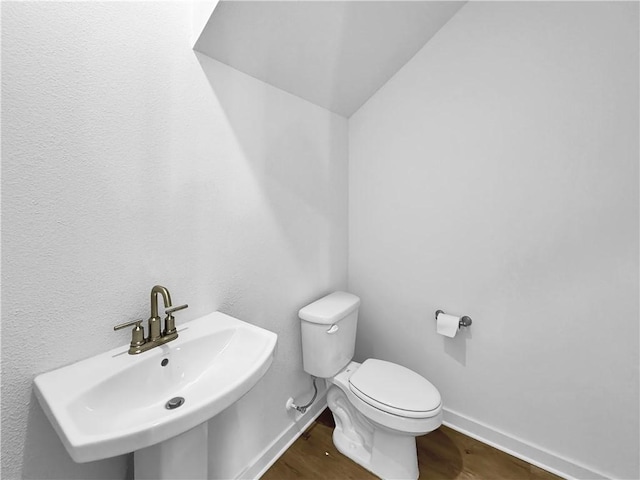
{"type": "Point", "coordinates": [116, 403]}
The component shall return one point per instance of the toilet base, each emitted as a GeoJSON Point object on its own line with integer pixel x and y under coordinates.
{"type": "Point", "coordinates": [387, 454]}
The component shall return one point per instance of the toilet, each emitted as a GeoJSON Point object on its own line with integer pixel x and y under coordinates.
{"type": "Point", "coordinates": [379, 407]}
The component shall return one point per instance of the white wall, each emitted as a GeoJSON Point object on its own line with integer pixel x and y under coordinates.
{"type": "Point", "coordinates": [496, 175]}
{"type": "Point", "coordinates": [128, 161]}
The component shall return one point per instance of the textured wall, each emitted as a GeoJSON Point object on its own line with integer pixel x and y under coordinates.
{"type": "Point", "coordinates": [129, 161]}
{"type": "Point", "coordinates": [496, 175]}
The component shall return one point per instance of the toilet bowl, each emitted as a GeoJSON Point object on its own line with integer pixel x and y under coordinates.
{"type": "Point", "coordinates": [379, 433]}
{"type": "Point", "coordinates": [379, 407]}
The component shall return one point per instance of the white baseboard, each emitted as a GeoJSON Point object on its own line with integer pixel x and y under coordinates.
{"type": "Point", "coordinates": [533, 454]}
{"type": "Point", "coordinates": [521, 449]}
{"type": "Point", "coordinates": [274, 451]}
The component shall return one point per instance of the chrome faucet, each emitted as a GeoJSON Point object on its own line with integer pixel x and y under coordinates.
{"type": "Point", "coordinates": [157, 336]}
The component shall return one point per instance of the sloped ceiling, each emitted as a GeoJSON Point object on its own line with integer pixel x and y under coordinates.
{"type": "Point", "coordinates": [335, 54]}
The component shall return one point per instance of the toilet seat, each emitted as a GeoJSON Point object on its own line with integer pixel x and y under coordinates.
{"type": "Point", "coordinates": [395, 389]}
{"type": "Point", "coordinates": [382, 417]}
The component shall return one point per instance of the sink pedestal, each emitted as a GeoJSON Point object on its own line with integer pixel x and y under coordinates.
{"type": "Point", "coordinates": [183, 457]}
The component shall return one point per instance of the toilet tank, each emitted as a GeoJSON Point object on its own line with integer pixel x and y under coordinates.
{"type": "Point", "coordinates": [329, 333]}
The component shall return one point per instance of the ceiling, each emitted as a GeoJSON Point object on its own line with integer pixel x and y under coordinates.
{"type": "Point", "coordinates": [335, 54]}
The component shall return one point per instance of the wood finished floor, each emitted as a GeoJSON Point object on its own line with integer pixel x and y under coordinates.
{"type": "Point", "coordinates": [443, 454]}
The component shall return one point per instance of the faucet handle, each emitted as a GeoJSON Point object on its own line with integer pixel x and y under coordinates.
{"type": "Point", "coordinates": [137, 335]}
{"type": "Point", "coordinates": [128, 324]}
{"type": "Point", "coordinates": [170, 310]}
{"type": "Point", "coordinates": [170, 331]}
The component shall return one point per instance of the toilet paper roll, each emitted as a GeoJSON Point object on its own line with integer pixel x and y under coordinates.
{"type": "Point", "coordinates": [447, 325]}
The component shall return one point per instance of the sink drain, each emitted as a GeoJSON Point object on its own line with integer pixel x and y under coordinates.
{"type": "Point", "coordinates": [175, 402]}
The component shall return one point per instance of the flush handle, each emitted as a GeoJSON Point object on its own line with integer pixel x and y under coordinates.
{"type": "Point", "coordinates": [333, 329]}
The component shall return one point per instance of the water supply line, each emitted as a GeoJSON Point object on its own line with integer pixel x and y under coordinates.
{"type": "Point", "coordinates": [303, 408]}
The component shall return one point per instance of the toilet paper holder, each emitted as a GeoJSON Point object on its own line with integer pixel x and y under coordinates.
{"type": "Point", "coordinates": [464, 321]}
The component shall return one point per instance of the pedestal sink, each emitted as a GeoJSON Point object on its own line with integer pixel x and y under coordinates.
{"type": "Point", "coordinates": [156, 403]}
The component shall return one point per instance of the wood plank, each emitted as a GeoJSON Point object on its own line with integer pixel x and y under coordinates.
{"type": "Point", "coordinates": [443, 454]}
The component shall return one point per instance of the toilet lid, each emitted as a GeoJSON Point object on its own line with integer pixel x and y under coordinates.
{"type": "Point", "coordinates": [395, 389]}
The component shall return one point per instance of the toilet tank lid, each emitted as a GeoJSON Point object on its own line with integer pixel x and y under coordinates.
{"type": "Point", "coordinates": [330, 309]}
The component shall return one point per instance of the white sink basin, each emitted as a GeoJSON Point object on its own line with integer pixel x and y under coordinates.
{"type": "Point", "coordinates": [114, 403]}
